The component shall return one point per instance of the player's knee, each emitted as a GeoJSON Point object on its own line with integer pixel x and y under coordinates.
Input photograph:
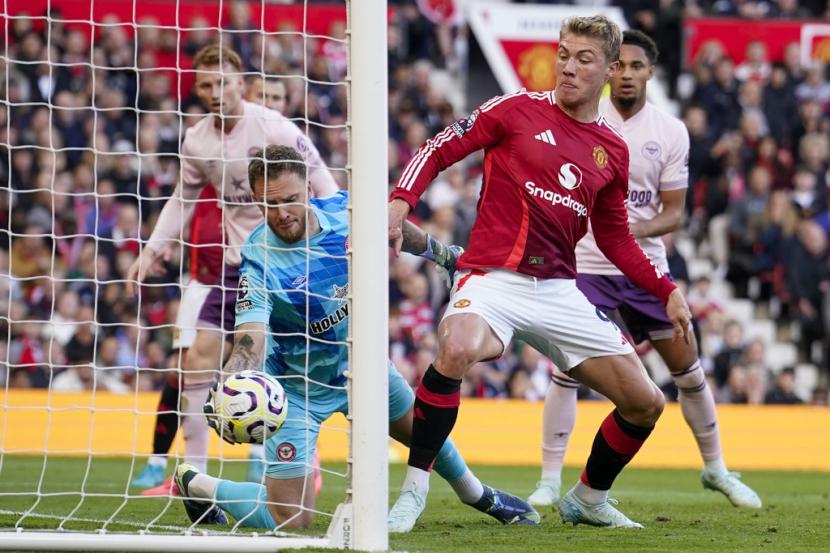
{"type": "Point", "coordinates": [288, 516]}
{"type": "Point", "coordinates": [654, 408]}
{"type": "Point", "coordinates": [455, 356]}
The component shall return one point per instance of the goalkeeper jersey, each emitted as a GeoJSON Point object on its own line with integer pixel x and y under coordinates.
{"type": "Point", "coordinates": [300, 291]}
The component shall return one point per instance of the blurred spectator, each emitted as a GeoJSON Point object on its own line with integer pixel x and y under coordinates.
{"type": "Point", "coordinates": [416, 314]}
{"type": "Point", "coordinates": [757, 372]}
{"type": "Point", "coordinates": [783, 393]}
{"type": "Point", "coordinates": [807, 280]}
{"type": "Point", "coordinates": [730, 354]}
{"type": "Point", "coordinates": [780, 105]}
{"type": "Point", "coordinates": [755, 66]}
{"type": "Point", "coordinates": [719, 98]}
{"type": "Point", "coordinates": [746, 216]}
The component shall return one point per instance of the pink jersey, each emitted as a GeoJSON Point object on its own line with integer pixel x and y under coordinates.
{"type": "Point", "coordinates": [658, 146]}
{"type": "Point", "coordinates": [545, 176]}
{"type": "Point", "coordinates": [221, 159]}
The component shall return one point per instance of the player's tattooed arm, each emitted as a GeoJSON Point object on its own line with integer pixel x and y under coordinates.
{"type": "Point", "coordinates": [248, 349]}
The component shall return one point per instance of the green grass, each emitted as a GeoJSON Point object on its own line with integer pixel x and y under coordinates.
{"type": "Point", "coordinates": [679, 515]}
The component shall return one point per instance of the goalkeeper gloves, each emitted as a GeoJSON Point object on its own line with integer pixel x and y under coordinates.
{"type": "Point", "coordinates": [444, 257]}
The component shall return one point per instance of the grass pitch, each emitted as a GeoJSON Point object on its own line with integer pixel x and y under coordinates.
{"type": "Point", "coordinates": [679, 515]}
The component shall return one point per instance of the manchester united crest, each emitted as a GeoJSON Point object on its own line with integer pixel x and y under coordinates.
{"type": "Point", "coordinates": [600, 157]}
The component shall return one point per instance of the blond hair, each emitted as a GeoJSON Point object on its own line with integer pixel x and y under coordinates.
{"type": "Point", "coordinates": [599, 27]}
{"type": "Point", "coordinates": [213, 54]}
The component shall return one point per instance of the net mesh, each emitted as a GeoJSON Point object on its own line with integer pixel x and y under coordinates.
{"type": "Point", "coordinates": [96, 99]}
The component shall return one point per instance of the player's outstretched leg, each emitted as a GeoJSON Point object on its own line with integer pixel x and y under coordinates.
{"type": "Point", "coordinates": [504, 507]}
{"type": "Point", "coordinates": [198, 491]}
{"type": "Point", "coordinates": [465, 340]}
{"type": "Point", "coordinates": [450, 465]}
{"type": "Point", "coordinates": [639, 403]}
{"type": "Point", "coordinates": [698, 407]}
{"type": "Point", "coordinates": [557, 424]}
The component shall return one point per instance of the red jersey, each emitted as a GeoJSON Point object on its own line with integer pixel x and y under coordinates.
{"type": "Point", "coordinates": [545, 176]}
{"type": "Point", "coordinates": [206, 252]}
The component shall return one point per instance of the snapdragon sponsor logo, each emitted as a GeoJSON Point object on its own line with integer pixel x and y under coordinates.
{"type": "Point", "coordinates": [555, 198]}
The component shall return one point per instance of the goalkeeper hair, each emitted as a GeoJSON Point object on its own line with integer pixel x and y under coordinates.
{"type": "Point", "coordinates": [273, 162]}
{"type": "Point", "coordinates": [214, 54]}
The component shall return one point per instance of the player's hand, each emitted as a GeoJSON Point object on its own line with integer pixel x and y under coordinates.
{"type": "Point", "coordinates": [680, 316]}
{"type": "Point", "coordinates": [398, 210]}
{"type": "Point", "coordinates": [149, 263]}
{"type": "Point", "coordinates": [445, 266]}
{"type": "Point", "coordinates": [213, 419]}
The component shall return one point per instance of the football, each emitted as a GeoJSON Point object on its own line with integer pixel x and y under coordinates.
{"type": "Point", "coordinates": [249, 407]}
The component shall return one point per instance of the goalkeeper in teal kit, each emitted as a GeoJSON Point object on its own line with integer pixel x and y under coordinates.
{"type": "Point", "coordinates": [291, 319]}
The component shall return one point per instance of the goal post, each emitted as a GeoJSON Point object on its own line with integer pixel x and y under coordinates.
{"type": "Point", "coordinates": [369, 266]}
{"type": "Point", "coordinates": [53, 510]}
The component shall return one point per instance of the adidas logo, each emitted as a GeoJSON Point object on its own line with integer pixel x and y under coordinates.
{"type": "Point", "coordinates": [546, 137]}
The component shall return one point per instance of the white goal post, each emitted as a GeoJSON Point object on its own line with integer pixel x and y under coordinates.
{"type": "Point", "coordinates": [360, 521]}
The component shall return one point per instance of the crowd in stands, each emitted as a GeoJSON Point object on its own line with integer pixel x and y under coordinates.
{"type": "Point", "coordinates": [87, 178]}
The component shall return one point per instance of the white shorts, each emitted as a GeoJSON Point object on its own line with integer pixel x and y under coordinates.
{"type": "Point", "coordinates": [193, 296]}
{"type": "Point", "coordinates": [551, 315]}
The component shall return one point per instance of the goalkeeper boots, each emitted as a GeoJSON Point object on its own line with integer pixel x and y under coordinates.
{"type": "Point", "coordinates": [546, 493]}
{"type": "Point", "coordinates": [506, 508]}
{"type": "Point", "coordinates": [730, 485]}
{"type": "Point", "coordinates": [150, 476]}
{"type": "Point", "coordinates": [200, 511]}
{"type": "Point", "coordinates": [574, 510]}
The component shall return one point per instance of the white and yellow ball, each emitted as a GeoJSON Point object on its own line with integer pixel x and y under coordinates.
{"type": "Point", "coordinates": [249, 407]}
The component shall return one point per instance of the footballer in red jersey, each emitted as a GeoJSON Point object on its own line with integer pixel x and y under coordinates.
{"type": "Point", "coordinates": [552, 166]}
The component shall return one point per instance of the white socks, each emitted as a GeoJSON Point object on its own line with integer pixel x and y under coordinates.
{"type": "Point", "coordinates": [420, 479]}
{"type": "Point", "coordinates": [194, 426]}
{"type": "Point", "coordinates": [716, 466]}
{"type": "Point", "coordinates": [203, 485]}
{"type": "Point", "coordinates": [158, 461]}
{"type": "Point", "coordinates": [557, 423]}
{"type": "Point", "coordinates": [589, 495]}
{"type": "Point", "coordinates": [698, 407]}
{"type": "Point", "coordinates": [468, 488]}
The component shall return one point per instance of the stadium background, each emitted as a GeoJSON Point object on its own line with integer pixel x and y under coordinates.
{"type": "Point", "coordinates": [74, 209]}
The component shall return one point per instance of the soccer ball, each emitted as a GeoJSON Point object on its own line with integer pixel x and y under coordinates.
{"type": "Point", "coordinates": [249, 407]}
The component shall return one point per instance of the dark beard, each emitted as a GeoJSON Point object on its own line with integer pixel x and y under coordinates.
{"type": "Point", "coordinates": [626, 103]}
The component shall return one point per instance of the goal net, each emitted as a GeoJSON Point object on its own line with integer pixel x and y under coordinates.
{"type": "Point", "coordinates": [95, 100]}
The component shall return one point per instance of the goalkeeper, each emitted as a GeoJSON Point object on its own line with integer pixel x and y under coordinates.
{"type": "Point", "coordinates": [294, 280]}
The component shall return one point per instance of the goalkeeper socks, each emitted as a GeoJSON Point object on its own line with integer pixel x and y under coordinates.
{"type": "Point", "coordinates": [615, 445]}
{"type": "Point", "coordinates": [246, 502]}
{"type": "Point", "coordinates": [451, 467]}
{"type": "Point", "coordinates": [557, 423]}
{"type": "Point", "coordinates": [698, 407]}
{"type": "Point", "coordinates": [167, 419]}
{"type": "Point", "coordinates": [194, 425]}
{"type": "Point", "coordinates": [468, 488]}
{"type": "Point", "coordinates": [436, 408]}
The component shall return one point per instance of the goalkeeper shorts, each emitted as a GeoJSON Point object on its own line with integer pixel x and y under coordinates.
{"type": "Point", "coordinates": [289, 452]}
